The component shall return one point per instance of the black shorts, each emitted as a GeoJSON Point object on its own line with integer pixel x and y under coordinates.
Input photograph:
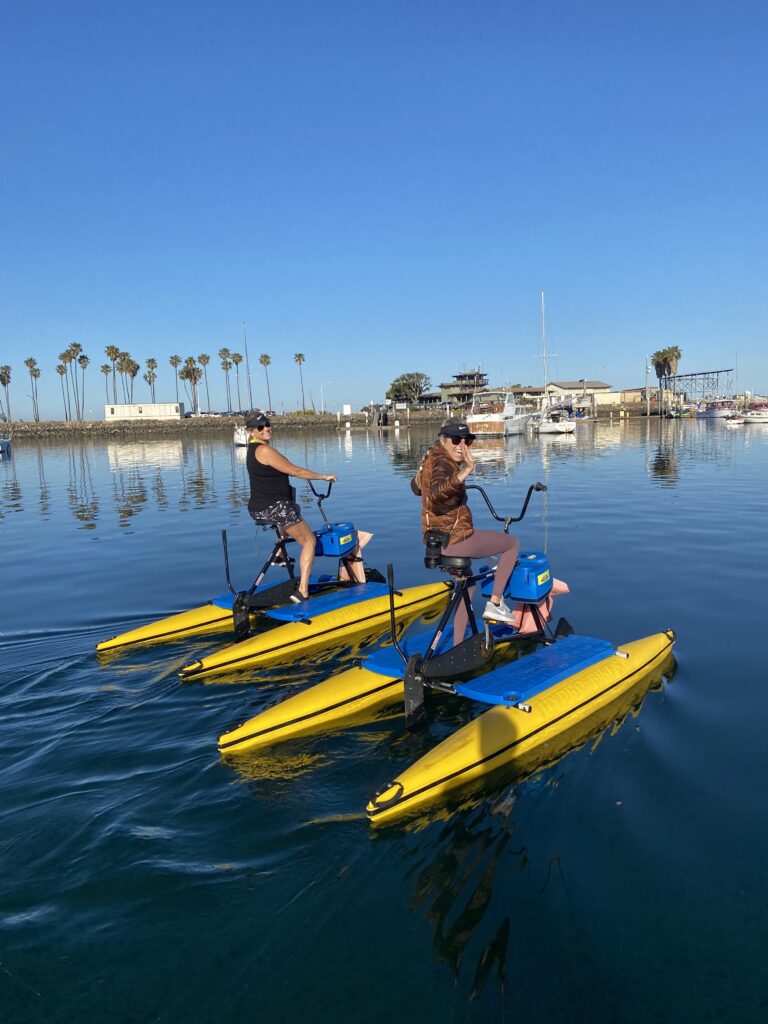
{"type": "Point", "coordinates": [282, 513]}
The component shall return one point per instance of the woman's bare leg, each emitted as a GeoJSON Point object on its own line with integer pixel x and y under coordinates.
{"type": "Point", "coordinates": [302, 533]}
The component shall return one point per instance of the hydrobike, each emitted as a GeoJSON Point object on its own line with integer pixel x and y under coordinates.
{"type": "Point", "coordinates": [268, 626]}
{"type": "Point", "coordinates": [541, 703]}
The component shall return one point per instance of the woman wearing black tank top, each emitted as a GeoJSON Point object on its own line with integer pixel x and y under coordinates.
{"type": "Point", "coordinates": [271, 493]}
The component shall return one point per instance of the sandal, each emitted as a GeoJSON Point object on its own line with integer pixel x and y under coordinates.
{"type": "Point", "coordinates": [297, 597]}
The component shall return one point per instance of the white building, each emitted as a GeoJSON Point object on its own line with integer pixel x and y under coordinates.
{"type": "Point", "coordinates": [145, 411]}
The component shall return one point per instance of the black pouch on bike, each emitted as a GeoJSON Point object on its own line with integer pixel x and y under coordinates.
{"type": "Point", "coordinates": [435, 541]}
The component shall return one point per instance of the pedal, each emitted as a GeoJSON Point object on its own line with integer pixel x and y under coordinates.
{"type": "Point", "coordinates": [563, 628]}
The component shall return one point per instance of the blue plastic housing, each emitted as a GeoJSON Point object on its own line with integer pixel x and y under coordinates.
{"type": "Point", "coordinates": [336, 540]}
{"type": "Point", "coordinates": [530, 581]}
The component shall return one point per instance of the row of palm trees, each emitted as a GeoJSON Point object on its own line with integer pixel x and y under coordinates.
{"type": "Point", "coordinates": [190, 371]}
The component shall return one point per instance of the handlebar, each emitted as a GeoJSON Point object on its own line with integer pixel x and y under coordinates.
{"type": "Point", "coordinates": [507, 520]}
{"type": "Point", "coordinates": [321, 498]}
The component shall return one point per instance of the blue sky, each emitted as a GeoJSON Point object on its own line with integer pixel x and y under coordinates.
{"type": "Point", "coordinates": [383, 186]}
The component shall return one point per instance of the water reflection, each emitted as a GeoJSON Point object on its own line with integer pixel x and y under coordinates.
{"type": "Point", "coordinates": [462, 879]}
{"type": "Point", "coordinates": [125, 455]}
{"type": "Point", "coordinates": [127, 478]}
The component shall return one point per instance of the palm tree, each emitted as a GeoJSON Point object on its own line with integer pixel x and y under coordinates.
{"type": "Point", "coordinates": [62, 372]}
{"type": "Point", "coordinates": [82, 362]}
{"type": "Point", "coordinates": [106, 369]}
{"type": "Point", "coordinates": [35, 375]}
{"type": "Point", "coordinates": [299, 359]}
{"type": "Point", "coordinates": [665, 363]}
{"type": "Point", "coordinates": [226, 364]}
{"type": "Point", "coordinates": [659, 363]}
{"type": "Point", "coordinates": [5, 380]}
{"type": "Point", "coordinates": [74, 351]}
{"type": "Point", "coordinates": [123, 365]}
{"type": "Point", "coordinates": [175, 362]}
{"type": "Point", "coordinates": [237, 359]}
{"type": "Point", "coordinates": [204, 360]}
{"type": "Point", "coordinates": [265, 360]}
{"type": "Point", "coordinates": [112, 352]}
{"type": "Point", "coordinates": [191, 374]}
{"type": "Point", "coordinates": [132, 369]}
{"type": "Point", "coordinates": [66, 359]}
{"type": "Point", "coordinates": [31, 365]}
{"type": "Point", "coordinates": [674, 355]}
{"type": "Point", "coordinates": [151, 376]}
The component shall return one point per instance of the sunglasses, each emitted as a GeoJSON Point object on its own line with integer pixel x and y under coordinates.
{"type": "Point", "coordinates": [457, 441]}
{"type": "Point", "coordinates": [265, 426]}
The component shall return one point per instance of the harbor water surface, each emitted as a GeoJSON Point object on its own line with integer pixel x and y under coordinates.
{"type": "Point", "coordinates": [145, 878]}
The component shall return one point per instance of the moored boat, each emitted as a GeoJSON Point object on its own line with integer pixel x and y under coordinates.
{"type": "Point", "coordinates": [240, 437]}
{"type": "Point", "coordinates": [497, 413]}
{"type": "Point", "coordinates": [756, 413]}
{"type": "Point", "coordinates": [716, 409]}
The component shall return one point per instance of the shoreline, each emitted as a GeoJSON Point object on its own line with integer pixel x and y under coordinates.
{"type": "Point", "coordinates": [222, 425]}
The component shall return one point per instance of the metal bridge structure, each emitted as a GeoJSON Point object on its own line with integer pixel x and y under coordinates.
{"type": "Point", "coordinates": [698, 386]}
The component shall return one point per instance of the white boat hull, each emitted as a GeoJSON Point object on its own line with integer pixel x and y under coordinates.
{"type": "Point", "coordinates": [560, 427]}
{"type": "Point", "coordinates": [498, 426]}
{"type": "Point", "coordinates": [240, 438]}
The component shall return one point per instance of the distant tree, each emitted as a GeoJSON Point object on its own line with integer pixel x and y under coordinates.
{"type": "Point", "coordinates": [31, 365]}
{"type": "Point", "coordinates": [62, 372]}
{"type": "Point", "coordinates": [5, 380]}
{"type": "Point", "coordinates": [82, 362]}
{"type": "Point", "coordinates": [112, 352]}
{"type": "Point", "coordinates": [674, 355]}
{"type": "Point", "coordinates": [175, 362]}
{"type": "Point", "coordinates": [408, 387]}
{"type": "Point", "coordinates": [299, 359]}
{"type": "Point", "coordinates": [236, 360]}
{"type": "Point", "coordinates": [123, 368]}
{"type": "Point", "coordinates": [35, 375]}
{"type": "Point", "coordinates": [265, 360]}
{"type": "Point", "coordinates": [151, 376]}
{"type": "Point", "coordinates": [665, 363]}
{"type": "Point", "coordinates": [132, 370]}
{"type": "Point", "coordinates": [106, 369]}
{"type": "Point", "coordinates": [225, 357]}
{"type": "Point", "coordinates": [74, 351]}
{"type": "Point", "coordinates": [203, 360]}
{"type": "Point", "coordinates": [191, 374]}
{"type": "Point", "coordinates": [66, 358]}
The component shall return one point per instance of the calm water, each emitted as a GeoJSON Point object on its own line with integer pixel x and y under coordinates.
{"type": "Point", "coordinates": [144, 879]}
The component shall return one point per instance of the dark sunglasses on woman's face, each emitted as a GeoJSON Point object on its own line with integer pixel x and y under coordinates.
{"type": "Point", "coordinates": [457, 441]}
{"type": "Point", "coordinates": [265, 426]}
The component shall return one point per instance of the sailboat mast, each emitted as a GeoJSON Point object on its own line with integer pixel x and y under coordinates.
{"type": "Point", "coordinates": [544, 345]}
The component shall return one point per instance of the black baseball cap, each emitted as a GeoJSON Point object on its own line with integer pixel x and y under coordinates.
{"type": "Point", "coordinates": [456, 429]}
{"type": "Point", "coordinates": [257, 419]}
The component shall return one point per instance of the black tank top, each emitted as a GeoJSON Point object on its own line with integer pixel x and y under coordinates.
{"type": "Point", "coordinates": [268, 485]}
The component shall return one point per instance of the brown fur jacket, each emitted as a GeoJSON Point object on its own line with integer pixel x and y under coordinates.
{"type": "Point", "coordinates": [443, 496]}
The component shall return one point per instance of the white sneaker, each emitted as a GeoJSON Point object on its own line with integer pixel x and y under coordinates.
{"type": "Point", "coordinates": [498, 612]}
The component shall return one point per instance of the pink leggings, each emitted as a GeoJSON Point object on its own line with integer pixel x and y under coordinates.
{"type": "Point", "coordinates": [481, 544]}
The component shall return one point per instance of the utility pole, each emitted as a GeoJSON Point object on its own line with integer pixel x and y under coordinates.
{"type": "Point", "coordinates": [247, 368]}
{"type": "Point", "coordinates": [647, 392]}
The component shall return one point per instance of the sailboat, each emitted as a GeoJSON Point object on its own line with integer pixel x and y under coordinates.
{"type": "Point", "coordinates": [551, 419]}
